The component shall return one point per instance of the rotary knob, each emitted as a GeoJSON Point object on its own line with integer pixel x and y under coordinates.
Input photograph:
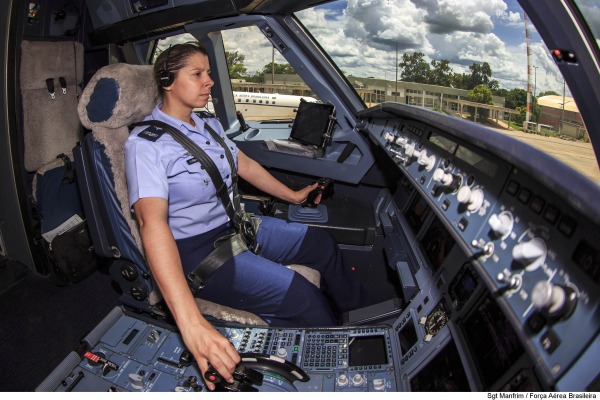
{"type": "Point", "coordinates": [342, 380]}
{"type": "Point", "coordinates": [389, 137]}
{"type": "Point", "coordinates": [401, 141]}
{"type": "Point", "coordinates": [136, 381]}
{"type": "Point", "coordinates": [411, 150]}
{"type": "Point", "coordinates": [425, 160]}
{"type": "Point", "coordinates": [501, 224]}
{"type": "Point", "coordinates": [282, 352]}
{"type": "Point", "coordinates": [443, 177]}
{"type": "Point", "coordinates": [555, 301]}
{"type": "Point", "coordinates": [379, 384]}
{"type": "Point", "coordinates": [358, 380]}
{"type": "Point", "coordinates": [472, 198]}
{"type": "Point", "coordinates": [531, 255]}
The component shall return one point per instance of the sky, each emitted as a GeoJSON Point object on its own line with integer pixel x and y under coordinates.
{"type": "Point", "coordinates": [461, 31]}
{"type": "Point", "coordinates": [361, 36]}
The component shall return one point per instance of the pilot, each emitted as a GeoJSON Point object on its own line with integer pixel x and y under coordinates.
{"type": "Point", "coordinates": [181, 217]}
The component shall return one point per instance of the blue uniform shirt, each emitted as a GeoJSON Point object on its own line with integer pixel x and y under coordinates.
{"type": "Point", "coordinates": [161, 167]}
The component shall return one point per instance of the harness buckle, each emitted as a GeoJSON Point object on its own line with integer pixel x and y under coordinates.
{"type": "Point", "coordinates": [194, 282]}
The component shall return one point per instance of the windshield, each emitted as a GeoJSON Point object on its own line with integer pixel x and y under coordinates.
{"type": "Point", "coordinates": [453, 55]}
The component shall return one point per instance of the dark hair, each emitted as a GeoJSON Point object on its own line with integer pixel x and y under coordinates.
{"type": "Point", "coordinates": [173, 59]}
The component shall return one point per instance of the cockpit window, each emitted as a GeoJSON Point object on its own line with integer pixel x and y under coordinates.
{"type": "Point", "coordinates": [480, 60]}
{"type": "Point", "coordinates": [590, 10]}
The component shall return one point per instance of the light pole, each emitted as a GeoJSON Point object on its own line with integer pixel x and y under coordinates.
{"type": "Point", "coordinates": [562, 115]}
{"type": "Point", "coordinates": [273, 65]}
{"type": "Point", "coordinates": [396, 93]}
{"type": "Point", "coordinates": [534, 79]}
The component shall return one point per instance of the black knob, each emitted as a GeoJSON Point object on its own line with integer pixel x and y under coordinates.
{"type": "Point", "coordinates": [186, 358]}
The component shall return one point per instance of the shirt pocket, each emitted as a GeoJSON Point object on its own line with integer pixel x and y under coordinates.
{"type": "Point", "coordinates": [189, 179]}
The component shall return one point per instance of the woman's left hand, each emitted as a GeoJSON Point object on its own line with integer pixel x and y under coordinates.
{"type": "Point", "coordinates": [302, 194]}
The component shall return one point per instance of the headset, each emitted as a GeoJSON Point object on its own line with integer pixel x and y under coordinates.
{"type": "Point", "coordinates": [165, 76]}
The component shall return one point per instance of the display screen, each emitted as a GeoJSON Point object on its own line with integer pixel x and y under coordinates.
{"type": "Point", "coordinates": [463, 286]}
{"type": "Point", "coordinates": [367, 350]}
{"type": "Point", "coordinates": [443, 373]}
{"type": "Point", "coordinates": [312, 122]}
{"type": "Point", "coordinates": [443, 142]}
{"type": "Point", "coordinates": [416, 213]}
{"type": "Point", "coordinates": [493, 342]}
{"type": "Point", "coordinates": [481, 163]}
{"type": "Point", "coordinates": [436, 244]}
{"type": "Point", "coordinates": [407, 336]}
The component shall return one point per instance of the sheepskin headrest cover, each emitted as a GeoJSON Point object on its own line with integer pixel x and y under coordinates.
{"type": "Point", "coordinates": [118, 95]}
{"type": "Point", "coordinates": [103, 100]}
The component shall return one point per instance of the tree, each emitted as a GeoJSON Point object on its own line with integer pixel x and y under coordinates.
{"type": "Point", "coordinates": [548, 93]}
{"type": "Point", "coordinates": [235, 64]}
{"type": "Point", "coordinates": [494, 85]}
{"type": "Point", "coordinates": [414, 68]}
{"type": "Point", "coordinates": [516, 98]}
{"type": "Point", "coordinates": [481, 94]}
{"type": "Point", "coordinates": [279, 69]}
{"type": "Point", "coordinates": [520, 118]}
{"type": "Point", "coordinates": [500, 92]}
{"type": "Point", "coordinates": [480, 74]}
{"type": "Point", "coordinates": [441, 73]}
{"type": "Point", "coordinates": [459, 81]}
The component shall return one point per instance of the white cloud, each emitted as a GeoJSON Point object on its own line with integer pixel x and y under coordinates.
{"type": "Point", "coordinates": [446, 16]}
{"type": "Point", "coordinates": [461, 31]}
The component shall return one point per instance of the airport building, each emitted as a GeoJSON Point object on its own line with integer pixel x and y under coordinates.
{"type": "Point", "coordinates": [374, 91]}
{"type": "Point", "coordinates": [562, 116]}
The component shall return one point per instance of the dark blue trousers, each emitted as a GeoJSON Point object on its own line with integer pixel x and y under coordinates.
{"type": "Point", "coordinates": [263, 285]}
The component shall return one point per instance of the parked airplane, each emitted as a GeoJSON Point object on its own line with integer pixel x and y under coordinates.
{"type": "Point", "coordinates": [481, 253]}
{"type": "Point", "coordinates": [265, 106]}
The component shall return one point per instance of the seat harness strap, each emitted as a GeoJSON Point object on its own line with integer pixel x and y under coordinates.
{"type": "Point", "coordinates": [245, 224]}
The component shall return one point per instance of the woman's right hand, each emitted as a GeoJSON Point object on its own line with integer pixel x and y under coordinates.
{"type": "Point", "coordinates": [208, 346]}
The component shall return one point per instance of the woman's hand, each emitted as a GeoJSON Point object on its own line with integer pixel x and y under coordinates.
{"type": "Point", "coordinates": [301, 195]}
{"type": "Point", "coordinates": [209, 346]}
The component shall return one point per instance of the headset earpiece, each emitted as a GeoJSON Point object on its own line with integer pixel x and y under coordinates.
{"type": "Point", "coordinates": [166, 77]}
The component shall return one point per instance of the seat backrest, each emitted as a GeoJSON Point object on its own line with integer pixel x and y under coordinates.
{"type": "Point", "coordinates": [50, 77]}
{"type": "Point", "coordinates": [50, 122]}
{"type": "Point", "coordinates": [116, 96]}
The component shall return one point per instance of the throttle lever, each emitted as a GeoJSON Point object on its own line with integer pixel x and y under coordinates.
{"type": "Point", "coordinates": [324, 188]}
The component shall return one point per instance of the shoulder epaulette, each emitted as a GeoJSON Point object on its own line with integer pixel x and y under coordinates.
{"type": "Point", "coordinates": [152, 133]}
{"type": "Point", "coordinates": [205, 114]}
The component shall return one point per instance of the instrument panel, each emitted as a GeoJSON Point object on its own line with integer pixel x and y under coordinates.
{"type": "Point", "coordinates": [536, 254]}
{"type": "Point", "coordinates": [126, 353]}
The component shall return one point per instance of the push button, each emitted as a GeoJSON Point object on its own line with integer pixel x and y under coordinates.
{"type": "Point", "coordinates": [549, 341]}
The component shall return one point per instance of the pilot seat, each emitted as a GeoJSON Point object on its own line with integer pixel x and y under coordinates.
{"type": "Point", "coordinates": [117, 96]}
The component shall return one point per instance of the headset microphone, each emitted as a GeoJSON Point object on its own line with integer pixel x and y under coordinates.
{"type": "Point", "coordinates": [166, 77]}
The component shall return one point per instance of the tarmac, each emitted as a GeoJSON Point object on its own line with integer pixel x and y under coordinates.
{"type": "Point", "coordinates": [576, 154]}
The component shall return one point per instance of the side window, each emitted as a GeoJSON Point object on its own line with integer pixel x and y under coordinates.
{"type": "Point", "coordinates": [265, 86]}
{"type": "Point", "coordinates": [260, 74]}
{"type": "Point", "coordinates": [164, 44]}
